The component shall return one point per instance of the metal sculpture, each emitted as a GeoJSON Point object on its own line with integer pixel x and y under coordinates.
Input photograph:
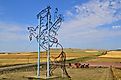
{"type": "Point", "coordinates": [61, 62]}
{"type": "Point", "coordinates": [45, 34]}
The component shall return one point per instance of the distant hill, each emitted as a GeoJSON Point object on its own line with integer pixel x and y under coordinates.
{"type": "Point", "coordinates": [116, 50]}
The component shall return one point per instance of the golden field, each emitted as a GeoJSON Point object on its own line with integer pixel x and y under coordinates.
{"type": "Point", "coordinates": [76, 54]}
{"type": "Point", "coordinates": [112, 54]}
{"type": "Point", "coordinates": [31, 57]}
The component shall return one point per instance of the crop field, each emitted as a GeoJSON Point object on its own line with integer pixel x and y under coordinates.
{"type": "Point", "coordinates": [73, 56]}
{"type": "Point", "coordinates": [112, 54]}
{"type": "Point", "coordinates": [31, 57]}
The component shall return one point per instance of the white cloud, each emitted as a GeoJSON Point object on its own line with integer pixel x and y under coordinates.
{"type": "Point", "coordinates": [9, 32]}
{"type": "Point", "coordinates": [69, 13]}
{"type": "Point", "coordinates": [88, 17]}
{"type": "Point", "coordinates": [10, 27]}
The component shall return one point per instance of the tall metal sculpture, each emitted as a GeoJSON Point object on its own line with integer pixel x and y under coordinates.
{"type": "Point", "coordinates": [45, 34]}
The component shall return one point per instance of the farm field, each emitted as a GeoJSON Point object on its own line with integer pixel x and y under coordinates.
{"type": "Point", "coordinates": [31, 57]}
{"type": "Point", "coordinates": [73, 56]}
{"type": "Point", "coordinates": [112, 54]}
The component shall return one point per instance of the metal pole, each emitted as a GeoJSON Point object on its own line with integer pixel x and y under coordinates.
{"type": "Point", "coordinates": [38, 62]}
{"type": "Point", "coordinates": [48, 51]}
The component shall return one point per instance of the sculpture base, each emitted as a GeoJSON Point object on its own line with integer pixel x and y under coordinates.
{"type": "Point", "coordinates": [41, 77]}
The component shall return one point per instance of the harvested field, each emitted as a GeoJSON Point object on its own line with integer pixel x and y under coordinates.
{"type": "Point", "coordinates": [92, 73]}
{"type": "Point", "coordinates": [91, 51]}
{"type": "Point", "coordinates": [112, 54]}
{"type": "Point", "coordinates": [31, 57]}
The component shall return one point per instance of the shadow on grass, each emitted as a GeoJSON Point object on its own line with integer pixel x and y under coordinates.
{"type": "Point", "coordinates": [57, 78]}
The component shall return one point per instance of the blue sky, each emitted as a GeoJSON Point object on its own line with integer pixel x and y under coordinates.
{"type": "Point", "coordinates": [87, 23]}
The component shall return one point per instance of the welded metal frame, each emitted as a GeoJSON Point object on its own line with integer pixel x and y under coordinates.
{"type": "Point", "coordinates": [45, 34]}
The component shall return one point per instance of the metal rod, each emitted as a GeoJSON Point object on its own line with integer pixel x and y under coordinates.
{"type": "Point", "coordinates": [38, 62]}
{"type": "Point", "coordinates": [48, 51]}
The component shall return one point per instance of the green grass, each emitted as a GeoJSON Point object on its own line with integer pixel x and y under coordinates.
{"type": "Point", "coordinates": [106, 60]}
{"type": "Point", "coordinates": [72, 50]}
{"type": "Point", "coordinates": [82, 59]}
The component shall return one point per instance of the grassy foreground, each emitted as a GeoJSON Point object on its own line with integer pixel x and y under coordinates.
{"type": "Point", "coordinates": [76, 74]}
